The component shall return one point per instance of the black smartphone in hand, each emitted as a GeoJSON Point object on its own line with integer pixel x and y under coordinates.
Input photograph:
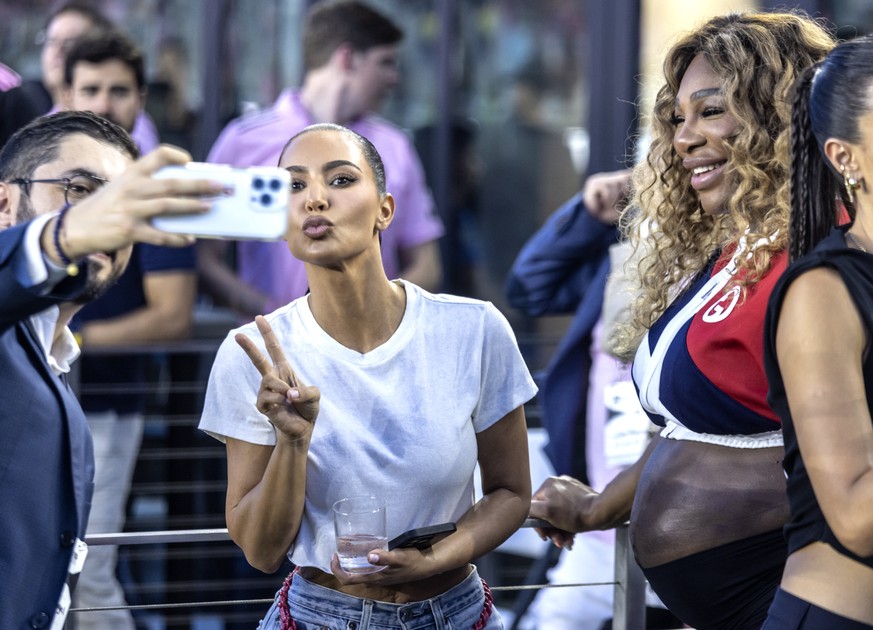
{"type": "Point", "coordinates": [421, 537]}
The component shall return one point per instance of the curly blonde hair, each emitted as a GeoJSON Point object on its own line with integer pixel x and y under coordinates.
{"type": "Point", "coordinates": [758, 56]}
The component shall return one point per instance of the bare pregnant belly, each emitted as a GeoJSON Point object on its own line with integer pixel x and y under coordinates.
{"type": "Point", "coordinates": [694, 496]}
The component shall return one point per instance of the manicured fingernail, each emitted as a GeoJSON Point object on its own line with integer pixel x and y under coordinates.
{"type": "Point", "coordinates": [293, 394]}
{"type": "Point", "coordinates": [373, 558]}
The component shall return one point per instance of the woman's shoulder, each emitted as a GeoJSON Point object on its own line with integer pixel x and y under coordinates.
{"type": "Point", "coordinates": [445, 300]}
{"type": "Point", "coordinates": [458, 305]}
{"type": "Point", "coordinates": [833, 252]}
{"type": "Point", "coordinates": [456, 308]}
{"type": "Point", "coordinates": [830, 268]}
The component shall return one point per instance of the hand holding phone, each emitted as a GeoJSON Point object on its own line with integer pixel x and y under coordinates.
{"type": "Point", "coordinates": [421, 537]}
{"type": "Point", "coordinates": [255, 205]}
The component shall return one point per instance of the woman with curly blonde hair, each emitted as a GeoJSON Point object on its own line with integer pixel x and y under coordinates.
{"type": "Point", "coordinates": [757, 57]}
{"type": "Point", "coordinates": [707, 500]}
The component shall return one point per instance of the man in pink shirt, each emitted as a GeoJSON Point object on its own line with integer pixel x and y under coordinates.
{"type": "Point", "coordinates": [350, 60]}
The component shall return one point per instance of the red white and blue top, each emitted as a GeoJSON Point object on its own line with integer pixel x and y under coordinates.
{"type": "Point", "coordinates": [699, 371]}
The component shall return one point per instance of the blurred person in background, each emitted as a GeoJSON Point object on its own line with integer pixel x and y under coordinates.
{"type": "Point", "coordinates": [170, 87]}
{"type": "Point", "coordinates": [104, 73]}
{"type": "Point", "coordinates": [9, 78]}
{"type": "Point", "coordinates": [64, 26]}
{"type": "Point", "coordinates": [350, 58]}
{"type": "Point", "coordinates": [16, 107]}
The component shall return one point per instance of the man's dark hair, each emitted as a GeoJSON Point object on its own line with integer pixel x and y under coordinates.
{"type": "Point", "coordinates": [99, 45]}
{"type": "Point", "coordinates": [38, 142]}
{"type": "Point", "coordinates": [84, 9]}
{"type": "Point", "coordinates": [331, 24]}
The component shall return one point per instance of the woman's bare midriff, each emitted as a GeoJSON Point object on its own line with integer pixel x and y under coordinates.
{"type": "Point", "coordinates": [823, 576]}
{"type": "Point", "coordinates": [694, 496]}
{"type": "Point", "coordinates": [394, 593]}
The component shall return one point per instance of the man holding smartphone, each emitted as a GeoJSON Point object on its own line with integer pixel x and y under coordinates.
{"type": "Point", "coordinates": [350, 57]}
{"type": "Point", "coordinates": [72, 202]}
{"type": "Point", "coordinates": [152, 302]}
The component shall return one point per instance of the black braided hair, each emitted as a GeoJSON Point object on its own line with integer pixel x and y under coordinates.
{"type": "Point", "coordinates": [804, 229]}
{"type": "Point", "coordinates": [829, 100]}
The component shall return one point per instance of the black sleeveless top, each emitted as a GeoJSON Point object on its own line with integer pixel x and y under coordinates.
{"type": "Point", "coordinates": [808, 524]}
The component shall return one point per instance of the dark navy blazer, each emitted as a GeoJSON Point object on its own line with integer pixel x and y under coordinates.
{"type": "Point", "coordinates": [46, 456]}
{"type": "Point", "coordinates": [563, 269]}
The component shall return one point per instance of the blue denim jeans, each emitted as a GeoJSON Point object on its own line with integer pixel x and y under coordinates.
{"type": "Point", "coordinates": [314, 607]}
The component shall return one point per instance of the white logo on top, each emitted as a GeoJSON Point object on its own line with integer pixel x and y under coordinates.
{"type": "Point", "coordinates": [722, 307]}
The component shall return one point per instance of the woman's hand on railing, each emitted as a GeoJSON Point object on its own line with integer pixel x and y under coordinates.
{"type": "Point", "coordinates": [567, 504]}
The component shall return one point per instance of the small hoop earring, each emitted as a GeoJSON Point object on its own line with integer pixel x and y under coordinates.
{"type": "Point", "coordinates": [850, 183]}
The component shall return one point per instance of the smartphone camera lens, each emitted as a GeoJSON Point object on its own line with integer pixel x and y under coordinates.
{"type": "Point", "coordinates": [275, 185]}
{"type": "Point", "coordinates": [258, 183]}
{"type": "Point", "coordinates": [266, 199]}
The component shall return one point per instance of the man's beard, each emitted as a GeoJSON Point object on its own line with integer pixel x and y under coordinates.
{"type": "Point", "coordinates": [25, 211]}
{"type": "Point", "coordinates": [96, 287]}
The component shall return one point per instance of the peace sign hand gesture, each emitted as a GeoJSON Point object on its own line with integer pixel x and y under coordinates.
{"type": "Point", "coordinates": [291, 406]}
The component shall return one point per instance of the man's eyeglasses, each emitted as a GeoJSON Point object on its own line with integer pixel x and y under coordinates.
{"type": "Point", "coordinates": [75, 188]}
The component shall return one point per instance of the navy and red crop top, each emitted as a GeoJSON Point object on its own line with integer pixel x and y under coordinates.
{"type": "Point", "coordinates": [701, 364]}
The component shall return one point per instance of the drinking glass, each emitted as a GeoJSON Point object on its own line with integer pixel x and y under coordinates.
{"type": "Point", "coordinates": [359, 523]}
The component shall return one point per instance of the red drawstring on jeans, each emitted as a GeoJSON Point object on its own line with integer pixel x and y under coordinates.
{"type": "Point", "coordinates": [487, 609]}
{"type": "Point", "coordinates": [284, 609]}
{"type": "Point", "coordinates": [288, 622]}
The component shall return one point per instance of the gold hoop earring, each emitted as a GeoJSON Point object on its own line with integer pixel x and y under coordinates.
{"type": "Point", "coordinates": [850, 183]}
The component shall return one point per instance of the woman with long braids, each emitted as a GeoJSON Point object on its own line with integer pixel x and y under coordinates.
{"type": "Point", "coordinates": [818, 359]}
{"type": "Point", "coordinates": [707, 500]}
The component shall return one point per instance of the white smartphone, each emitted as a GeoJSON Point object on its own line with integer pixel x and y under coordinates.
{"type": "Point", "coordinates": [255, 205]}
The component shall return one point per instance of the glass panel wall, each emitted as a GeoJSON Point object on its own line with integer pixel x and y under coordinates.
{"type": "Point", "coordinates": [524, 89]}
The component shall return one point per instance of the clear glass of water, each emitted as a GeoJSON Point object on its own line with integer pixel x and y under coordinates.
{"type": "Point", "coordinates": [359, 523]}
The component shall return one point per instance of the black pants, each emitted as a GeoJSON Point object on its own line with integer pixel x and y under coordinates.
{"type": "Point", "coordinates": [792, 613]}
{"type": "Point", "coordinates": [729, 587]}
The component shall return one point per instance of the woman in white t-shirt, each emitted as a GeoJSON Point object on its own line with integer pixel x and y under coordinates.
{"type": "Point", "coordinates": [410, 391]}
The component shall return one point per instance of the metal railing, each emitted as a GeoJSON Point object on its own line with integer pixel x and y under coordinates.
{"type": "Point", "coordinates": [629, 605]}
